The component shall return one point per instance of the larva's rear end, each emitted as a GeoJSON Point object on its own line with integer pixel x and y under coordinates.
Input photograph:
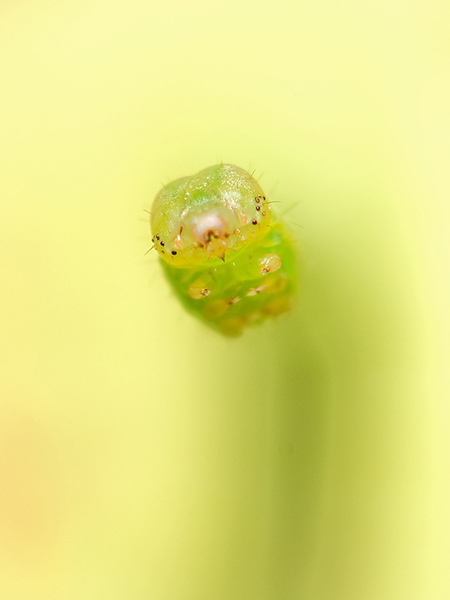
{"type": "Point", "coordinates": [228, 257]}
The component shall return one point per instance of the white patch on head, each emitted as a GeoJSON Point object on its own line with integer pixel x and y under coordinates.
{"type": "Point", "coordinates": [209, 225]}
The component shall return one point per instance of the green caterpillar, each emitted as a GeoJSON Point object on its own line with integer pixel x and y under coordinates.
{"type": "Point", "coordinates": [227, 254]}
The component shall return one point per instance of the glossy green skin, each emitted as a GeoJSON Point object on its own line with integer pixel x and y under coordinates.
{"type": "Point", "coordinates": [241, 274]}
{"type": "Point", "coordinates": [229, 308]}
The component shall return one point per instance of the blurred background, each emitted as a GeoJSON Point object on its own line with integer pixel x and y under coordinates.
{"type": "Point", "coordinates": [141, 454]}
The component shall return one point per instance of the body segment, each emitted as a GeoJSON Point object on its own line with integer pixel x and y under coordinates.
{"type": "Point", "coordinates": [227, 255]}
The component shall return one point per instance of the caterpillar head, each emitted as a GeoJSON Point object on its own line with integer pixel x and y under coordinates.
{"type": "Point", "coordinates": [208, 216]}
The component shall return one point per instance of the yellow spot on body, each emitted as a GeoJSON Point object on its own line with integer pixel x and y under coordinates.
{"type": "Point", "coordinates": [277, 307]}
{"type": "Point", "coordinates": [214, 310]}
{"type": "Point", "coordinates": [269, 263]}
{"type": "Point", "coordinates": [233, 326]}
{"type": "Point", "coordinates": [198, 289]}
{"type": "Point", "coordinates": [274, 284]}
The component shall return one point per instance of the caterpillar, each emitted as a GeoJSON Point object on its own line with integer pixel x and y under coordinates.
{"type": "Point", "coordinates": [226, 252]}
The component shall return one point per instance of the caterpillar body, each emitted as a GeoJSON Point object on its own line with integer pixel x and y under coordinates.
{"type": "Point", "coordinates": [227, 254]}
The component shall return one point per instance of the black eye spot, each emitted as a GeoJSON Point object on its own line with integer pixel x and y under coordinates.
{"type": "Point", "coordinates": [162, 243]}
{"type": "Point", "coordinates": [264, 197]}
{"type": "Point", "coordinates": [258, 208]}
{"type": "Point", "coordinates": [255, 222]}
{"type": "Point", "coordinates": [174, 252]}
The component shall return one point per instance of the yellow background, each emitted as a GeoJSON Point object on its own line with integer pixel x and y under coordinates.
{"type": "Point", "coordinates": [143, 456]}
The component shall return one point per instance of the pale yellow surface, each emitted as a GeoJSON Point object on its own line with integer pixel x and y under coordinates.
{"type": "Point", "coordinates": [143, 456]}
